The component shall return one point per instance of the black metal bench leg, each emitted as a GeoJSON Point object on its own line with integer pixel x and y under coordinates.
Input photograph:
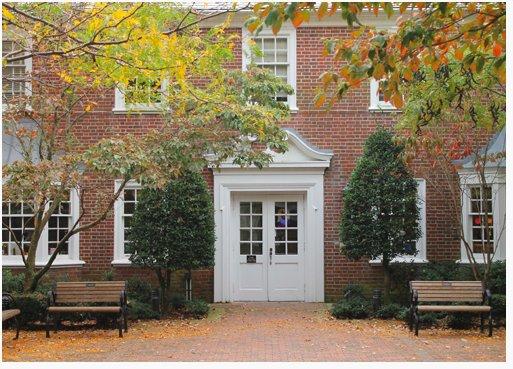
{"type": "Point", "coordinates": [410, 320]}
{"type": "Point", "coordinates": [481, 327]}
{"type": "Point", "coordinates": [490, 324]}
{"type": "Point", "coordinates": [17, 322]}
{"type": "Point", "coordinates": [125, 319]}
{"type": "Point", "coordinates": [120, 325]}
{"type": "Point", "coordinates": [47, 325]}
{"type": "Point", "coordinates": [417, 321]}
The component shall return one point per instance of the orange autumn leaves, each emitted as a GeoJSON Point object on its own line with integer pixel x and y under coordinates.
{"type": "Point", "coordinates": [427, 34]}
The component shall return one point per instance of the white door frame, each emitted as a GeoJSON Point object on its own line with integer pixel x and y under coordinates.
{"type": "Point", "coordinates": [299, 170]}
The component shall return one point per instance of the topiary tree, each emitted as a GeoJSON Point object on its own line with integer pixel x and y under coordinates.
{"type": "Point", "coordinates": [173, 229]}
{"type": "Point", "coordinates": [380, 213]}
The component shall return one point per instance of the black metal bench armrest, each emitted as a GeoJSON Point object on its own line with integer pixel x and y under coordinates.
{"type": "Point", "coordinates": [9, 301]}
{"type": "Point", "coordinates": [487, 297]}
{"type": "Point", "coordinates": [50, 298]}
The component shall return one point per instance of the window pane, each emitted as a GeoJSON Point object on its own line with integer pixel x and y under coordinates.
{"type": "Point", "coordinates": [292, 235]}
{"type": "Point", "coordinates": [257, 207]}
{"type": "Point", "coordinates": [257, 249]}
{"type": "Point", "coordinates": [280, 249]}
{"type": "Point", "coordinates": [292, 207]}
{"type": "Point", "coordinates": [257, 235]}
{"type": "Point", "coordinates": [15, 208]}
{"type": "Point", "coordinates": [292, 248]}
{"type": "Point", "coordinates": [281, 56]}
{"type": "Point", "coordinates": [281, 43]}
{"type": "Point", "coordinates": [281, 71]}
{"type": "Point", "coordinates": [256, 220]}
{"type": "Point", "coordinates": [245, 249]}
{"type": "Point", "coordinates": [245, 220]}
{"type": "Point", "coordinates": [245, 208]}
{"type": "Point", "coordinates": [244, 235]}
{"type": "Point", "coordinates": [129, 207]}
{"type": "Point", "coordinates": [269, 44]}
{"type": "Point", "coordinates": [280, 235]}
{"type": "Point", "coordinates": [292, 221]}
{"type": "Point", "coordinates": [129, 195]}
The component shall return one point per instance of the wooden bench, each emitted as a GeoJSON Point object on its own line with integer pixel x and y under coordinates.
{"type": "Point", "coordinates": [77, 297]}
{"type": "Point", "coordinates": [8, 312]}
{"type": "Point", "coordinates": [425, 293]}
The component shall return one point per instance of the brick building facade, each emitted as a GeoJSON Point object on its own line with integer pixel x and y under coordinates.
{"type": "Point", "coordinates": [340, 131]}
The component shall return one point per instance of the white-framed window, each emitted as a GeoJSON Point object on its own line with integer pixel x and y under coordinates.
{"type": "Point", "coordinates": [278, 55]}
{"type": "Point", "coordinates": [139, 97]}
{"type": "Point", "coordinates": [420, 244]}
{"type": "Point", "coordinates": [15, 74]}
{"type": "Point", "coordinates": [123, 211]}
{"type": "Point", "coordinates": [377, 98]}
{"type": "Point", "coordinates": [19, 217]}
{"type": "Point", "coordinates": [480, 206]}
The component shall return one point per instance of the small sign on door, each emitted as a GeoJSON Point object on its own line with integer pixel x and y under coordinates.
{"type": "Point", "coordinates": [251, 259]}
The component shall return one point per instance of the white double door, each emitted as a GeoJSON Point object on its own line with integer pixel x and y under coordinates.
{"type": "Point", "coordinates": [269, 248]}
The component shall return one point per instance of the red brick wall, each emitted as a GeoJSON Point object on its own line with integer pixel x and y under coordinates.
{"type": "Point", "coordinates": [343, 129]}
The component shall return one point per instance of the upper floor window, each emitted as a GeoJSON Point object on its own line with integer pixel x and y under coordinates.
{"type": "Point", "coordinates": [278, 54]}
{"type": "Point", "coordinates": [377, 98]}
{"type": "Point", "coordinates": [14, 73]}
{"type": "Point", "coordinates": [18, 228]}
{"type": "Point", "coordinates": [139, 96]}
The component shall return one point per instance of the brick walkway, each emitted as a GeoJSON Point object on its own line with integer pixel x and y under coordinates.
{"type": "Point", "coordinates": [260, 332]}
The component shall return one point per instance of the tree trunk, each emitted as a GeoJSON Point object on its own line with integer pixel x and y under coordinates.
{"type": "Point", "coordinates": [386, 282]}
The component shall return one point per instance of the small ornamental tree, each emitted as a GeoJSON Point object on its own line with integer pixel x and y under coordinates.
{"type": "Point", "coordinates": [380, 213]}
{"type": "Point", "coordinates": [173, 229]}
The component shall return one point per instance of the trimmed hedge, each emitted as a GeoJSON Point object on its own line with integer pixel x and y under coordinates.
{"type": "Point", "coordinates": [197, 308]}
{"type": "Point", "coordinates": [353, 308]}
{"type": "Point", "coordinates": [389, 311]}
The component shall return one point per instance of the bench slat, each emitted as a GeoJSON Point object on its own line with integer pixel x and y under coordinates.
{"type": "Point", "coordinates": [450, 308]}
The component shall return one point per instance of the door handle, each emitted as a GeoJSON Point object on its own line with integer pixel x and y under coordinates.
{"type": "Point", "coordinates": [270, 255]}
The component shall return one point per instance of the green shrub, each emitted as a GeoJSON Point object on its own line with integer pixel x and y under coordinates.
{"type": "Point", "coordinates": [108, 275]}
{"type": "Point", "coordinates": [498, 306]}
{"type": "Point", "coordinates": [353, 308]}
{"type": "Point", "coordinates": [429, 319]}
{"type": "Point", "coordinates": [139, 289]}
{"type": "Point", "coordinates": [497, 280]}
{"type": "Point", "coordinates": [403, 314]}
{"type": "Point", "coordinates": [353, 290]}
{"type": "Point", "coordinates": [33, 307]}
{"type": "Point", "coordinates": [177, 301]}
{"type": "Point", "coordinates": [389, 311]}
{"type": "Point", "coordinates": [12, 283]}
{"type": "Point", "coordinates": [460, 320]}
{"type": "Point", "coordinates": [197, 308]}
{"type": "Point", "coordinates": [141, 310]}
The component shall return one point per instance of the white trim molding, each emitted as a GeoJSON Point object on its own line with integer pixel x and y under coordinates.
{"type": "Point", "coordinates": [299, 171]}
{"type": "Point", "coordinates": [289, 33]}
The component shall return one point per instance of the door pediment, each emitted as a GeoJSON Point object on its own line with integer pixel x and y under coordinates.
{"type": "Point", "coordinates": [300, 154]}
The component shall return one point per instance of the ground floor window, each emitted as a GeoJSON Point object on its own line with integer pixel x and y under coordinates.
{"type": "Point", "coordinates": [18, 228]}
{"type": "Point", "coordinates": [123, 212]}
{"type": "Point", "coordinates": [483, 216]}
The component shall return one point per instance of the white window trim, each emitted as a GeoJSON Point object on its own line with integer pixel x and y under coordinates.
{"type": "Point", "coordinates": [42, 257]}
{"type": "Point", "coordinates": [497, 181]}
{"type": "Point", "coordinates": [375, 103]}
{"type": "Point", "coordinates": [120, 258]}
{"type": "Point", "coordinates": [290, 34]}
{"type": "Point", "coordinates": [28, 70]}
{"type": "Point", "coordinates": [120, 106]}
{"type": "Point", "coordinates": [421, 243]}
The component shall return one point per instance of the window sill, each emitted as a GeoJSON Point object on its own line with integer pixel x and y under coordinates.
{"type": "Point", "coordinates": [58, 263]}
{"type": "Point", "coordinates": [384, 109]}
{"type": "Point", "coordinates": [137, 111]}
{"type": "Point", "coordinates": [121, 262]}
{"type": "Point", "coordinates": [479, 260]}
{"type": "Point", "coordinates": [401, 259]}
